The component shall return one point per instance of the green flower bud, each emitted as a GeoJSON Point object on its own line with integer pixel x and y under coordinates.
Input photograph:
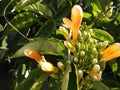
{"type": "Point", "coordinates": [69, 46]}
{"type": "Point", "coordinates": [82, 53]}
{"type": "Point", "coordinates": [61, 66]}
{"type": "Point", "coordinates": [75, 59]}
{"type": "Point", "coordinates": [80, 74]}
{"type": "Point", "coordinates": [96, 68]}
{"type": "Point", "coordinates": [64, 32]}
{"type": "Point", "coordinates": [94, 61]}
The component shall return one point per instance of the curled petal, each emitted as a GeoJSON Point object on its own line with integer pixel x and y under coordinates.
{"type": "Point", "coordinates": [47, 67]}
{"type": "Point", "coordinates": [67, 22]}
{"type": "Point", "coordinates": [111, 52]}
{"type": "Point", "coordinates": [76, 17]}
{"type": "Point", "coordinates": [34, 55]}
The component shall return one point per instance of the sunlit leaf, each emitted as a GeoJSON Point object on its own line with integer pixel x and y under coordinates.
{"type": "Point", "coordinates": [32, 79]}
{"type": "Point", "coordinates": [23, 3]}
{"type": "Point", "coordinates": [102, 35]}
{"type": "Point", "coordinates": [20, 21]}
{"type": "Point", "coordinates": [43, 46]}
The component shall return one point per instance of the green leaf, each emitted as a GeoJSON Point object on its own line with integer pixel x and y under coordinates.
{"type": "Point", "coordinates": [23, 3]}
{"type": "Point", "coordinates": [73, 78]}
{"type": "Point", "coordinates": [39, 82]}
{"type": "Point", "coordinates": [46, 29]}
{"type": "Point", "coordinates": [43, 46]}
{"type": "Point", "coordinates": [2, 52]}
{"type": "Point", "coordinates": [1, 28]}
{"type": "Point", "coordinates": [62, 12]}
{"type": "Point", "coordinates": [40, 8]}
{"type": "Point", "coordinates": [33, 77]}
{"type": "Point", "coordinates": [102, 35]}
{"type": "Point", "coordinates": [20, 21]}
{"type": "Point", "coordinates": [65, 79]}
{"type": "Point", "coordinates": [87, 15]}
{"type": "Point", "coordinates": [99, 86]}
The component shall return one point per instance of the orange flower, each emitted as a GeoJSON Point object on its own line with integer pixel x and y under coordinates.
{"type": "Point", "coordinates": [75, 22]}
{"type": "Point", "coordinates": [45, 66]}
{"type": "Point", "coordinates": [111, 52]}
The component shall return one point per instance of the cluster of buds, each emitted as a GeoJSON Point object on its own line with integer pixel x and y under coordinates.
{"type": "Point", "coordinates": [45, 65]}
{"type": "Point", "coordinates": [88, 54]}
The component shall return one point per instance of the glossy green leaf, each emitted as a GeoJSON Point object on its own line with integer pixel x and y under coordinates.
{"type": "Point", "coordinates": [87, 15]}
{"type": "Point", "coordinates": [65, 79]}
{"type": "Point", "coordinates": [46, 29]}
{"type": "Point", "coordinates": [99, 86]}
{"type": "Point", "coordinates": [102, 35]}
{"type": "Point", "coordinates": [39, 8]}
{"type": "Point", "coordinates": [23, 3]}
{"type": "Point", "coordinates": [43, 46]}
{"type": "Point", "coordinates": [1, 27]}
{"type": "Point", "coordinates": [33, 77]}
{"type": "Point", "coordinates": [20, 21]}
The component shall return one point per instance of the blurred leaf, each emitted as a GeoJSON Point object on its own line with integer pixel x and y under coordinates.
{"type": "Point", "coordinates": [87, 15]}
{"type": "Point", "coordinates": [33, 77]}
{"type": "Point", "coordinates": [1, 28]}
{"type": "Point", "coordinates": [20, 21]}
{"type": "Point", "coordinates": [102, 35]}
{"type": "Point", "coordinates": [62, 12]}
{"type": "Point", "coordinates": [100, 4]}
{"type": "Point", "coordinates": [99, 86]}
{"type": "Point", "coordinates": [113, 65]}
{"type": "Point", "coordinates": [65, 79]}
{"type": "Point", "coordinates": [46, 29]}
{"type": "Point", "coordinates": [43, 46]}
{"type": "Point", "coordinates": [2, 52]}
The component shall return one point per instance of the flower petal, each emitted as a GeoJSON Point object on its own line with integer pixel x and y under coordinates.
{"type": "Point", "coordinates": [67, 22]}
{"type": "Point", "coordinates": [33, 54]}
{"type": "Point", "coordinates": [111, 52]}
{"type": "Point", "coordinates": [76, 17]}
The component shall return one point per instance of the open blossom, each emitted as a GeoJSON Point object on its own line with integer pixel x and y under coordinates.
{"type": "Point", "coordinates": [45, 66]}
{"type": "Point", "coordinates": [112, 52]}
{"type": "Point", "coordinates": [75, 22]}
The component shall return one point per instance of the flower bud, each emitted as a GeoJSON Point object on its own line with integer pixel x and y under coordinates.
{"type": "Point", "coordinates": [69, 46]}
{"type": "Point", "coordinates": [61, 66]}
{"type": "Point", "coordinates": [96, 68]}
{"type": "Point", "coordinates": [64, 32]}
{"type": "Point", "coordinates": [76, 59]}
{"type": "Point", "coordinates": [82, 53]}
{"type": "Point", "coordinates": [80, 74]}
{"type": "Point", "coordinates": [47, 66]}
{"type": "Point", "coordinates": [94, 61]}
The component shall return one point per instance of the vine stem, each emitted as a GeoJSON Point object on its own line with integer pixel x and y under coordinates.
{"type": "Point", "coordinates": [69, 54]}
{"type": "Point", "coordinates": [4, 13]}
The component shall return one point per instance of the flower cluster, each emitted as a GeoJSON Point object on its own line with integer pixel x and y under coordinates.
{"type": "Point", "coordinates": [88, 54]}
